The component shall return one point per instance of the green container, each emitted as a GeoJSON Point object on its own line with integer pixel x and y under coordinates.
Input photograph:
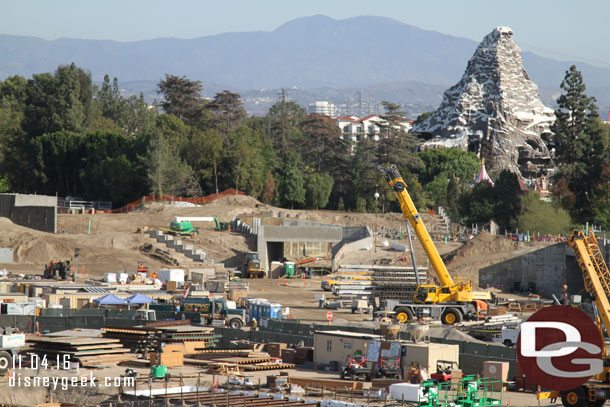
{"type": "Point", "coordinates": [289, 269]}
{"type": "Point", "coordinates": [158, 372]}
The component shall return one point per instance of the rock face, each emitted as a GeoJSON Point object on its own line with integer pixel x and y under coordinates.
{"type": "Point", "coordinates": [495, 111]}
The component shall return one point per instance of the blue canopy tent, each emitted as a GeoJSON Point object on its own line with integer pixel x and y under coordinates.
{"type": "Point", "coordinates": [139, 299]}
{"type": "Point", "coordinates": [109, 300]}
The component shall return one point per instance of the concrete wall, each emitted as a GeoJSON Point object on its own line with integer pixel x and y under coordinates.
{"type": "Point", "coordinates": [547, 268]}
{"type": "Point", "coordinates": [354, 239]}
{"type": "Point", "coordinates": [302, 236]}
{"type": "Point", "coordinates": [33, 211]}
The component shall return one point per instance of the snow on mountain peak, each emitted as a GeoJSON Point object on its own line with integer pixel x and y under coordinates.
{"type": "Point", "coordinates": [495, 111]}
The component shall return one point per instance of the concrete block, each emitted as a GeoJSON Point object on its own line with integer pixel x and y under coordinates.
{"type": "Point", "coordinates": [162, 238]}
{"type": "Point", "coordinates": [173, 243]}
{"type": "Point", "coordinates": [154, 233]}
{"type": "Point", "coordinates": [6, 255]}
{"type": "Point", "coordinates": [198, 257]}
{"type": "Point", "coordinates": [190, 252]}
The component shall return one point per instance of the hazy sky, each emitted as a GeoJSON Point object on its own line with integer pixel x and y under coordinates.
{"type": "Point", "coordinates": [559, 29]}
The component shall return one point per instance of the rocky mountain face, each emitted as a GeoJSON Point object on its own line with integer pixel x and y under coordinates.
{"type": "Point", "coordinates": [495, 111]}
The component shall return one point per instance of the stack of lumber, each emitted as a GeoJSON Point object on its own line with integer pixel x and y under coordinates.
{"type": "Point", "coordinates": [144, 339]}
{"type": "Point", "coordinates": [252, 362]}
{"type": "Point", "coordinates": [87, 351]}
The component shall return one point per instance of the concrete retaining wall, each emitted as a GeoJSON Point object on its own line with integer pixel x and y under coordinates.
{"type": "Point", "coordinates": [546, 268]}
{"type": "Point", "coordinates": [33, 211]}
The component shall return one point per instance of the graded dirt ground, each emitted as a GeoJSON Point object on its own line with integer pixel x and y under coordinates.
{"type": "Point", "coordinates": [114, 242]}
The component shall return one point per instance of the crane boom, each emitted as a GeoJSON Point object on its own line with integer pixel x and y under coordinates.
{"type": "Point", "coordinates": [594, 272]}
{"type": "Point", "coordinates": [410, 214]}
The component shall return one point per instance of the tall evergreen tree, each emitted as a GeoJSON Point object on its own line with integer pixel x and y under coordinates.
{"type": "Point", "coordinates": [580, 144]}
{"type": "Point", "coordinates": [181, 97]}
{"type": "Point", "coordinates": [292, 187]}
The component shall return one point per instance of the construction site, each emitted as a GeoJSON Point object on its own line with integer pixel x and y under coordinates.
{"type": "Point", "coordinates": [236, 303]}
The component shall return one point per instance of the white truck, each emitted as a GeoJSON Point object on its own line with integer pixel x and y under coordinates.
{"type": "Point", "coordinates": [10, 344]}
{"type": "Point", "coordinates": [508, 336]}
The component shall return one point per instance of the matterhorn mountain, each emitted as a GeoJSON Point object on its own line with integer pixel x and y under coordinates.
{"type": "Point", "coordinates": [495, 111]}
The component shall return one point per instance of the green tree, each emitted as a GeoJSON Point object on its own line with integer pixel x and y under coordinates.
{"type": "Point", "coordinates": [580, 144]}
{"type": "Point", "coordinates": [318, 188]}
{"type": "Point", "coordinates": [292, 186]}
{"type": "Point", "coordinates": [110, 168]}
{"type": "Point", "coordinates": [246, 161]}
{"type": "Point", "coordinates": [340, 204]}
{"type": "Point", "coordinates": [137, 119]}
{"type": "Point", "coordinates": [477, 205]}
{"type": "Point", "coordinates": [268, 194]}
{"type": "Point", "coordinates": [507, 203]}
{"type": "Point", "coordinates": [541, 217]}
{"type": "Point", "coordinates": [55, 163]}
{"type": "Point", "coordinates": [167, 172]}
{"type": "Point", "coordinates": [60, 102]}
{"type": "Point", "coordinates": [228, 113]}
{"type": "Point", "coordinates": [181, 97]}
{"type": "Point", "coordinates": [284, 118]}
{"type": "Point", "coordinates": [396, 146]}
{"type": "Point", "coordinates": [204, 152]}
{"type": "Point", "coordinates": [323, 151]}
{"type": "Point", "coordinates": [452, 161]}
{"type": "Point", "coordinates": [361, 205]}
{"type": "Point", "coordinates": [109, 99]}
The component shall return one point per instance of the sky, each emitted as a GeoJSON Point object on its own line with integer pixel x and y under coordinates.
{"type": "Point", "coordinates": [559, 29]}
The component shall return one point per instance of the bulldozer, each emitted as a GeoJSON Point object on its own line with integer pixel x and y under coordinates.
{"type": "Point", "coordinates": [252, 266]}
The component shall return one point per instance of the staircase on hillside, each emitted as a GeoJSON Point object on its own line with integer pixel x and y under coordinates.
{"type": "Point", "coordinates": [173, 242]}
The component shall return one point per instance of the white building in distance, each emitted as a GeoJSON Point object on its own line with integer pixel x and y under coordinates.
{"type": "Point", "coordinates": [323, 107]}
{"type": "Point", "coordinates": [365, 128]}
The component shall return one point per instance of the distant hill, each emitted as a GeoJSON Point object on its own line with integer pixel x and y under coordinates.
{"type": "Point", "coordinates": [310, 52]}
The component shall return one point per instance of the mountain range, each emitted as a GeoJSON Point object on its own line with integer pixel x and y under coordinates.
{"type": "Point", "coordinates": [309, 53]}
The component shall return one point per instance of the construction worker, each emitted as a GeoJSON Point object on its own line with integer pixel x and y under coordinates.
{"type": "Point", "coordinates": [254, 325]}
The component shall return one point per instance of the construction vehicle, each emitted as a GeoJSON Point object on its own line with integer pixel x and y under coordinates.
{"type": "Point", "coordinates": [443, 370]}
{"type": "Point", "coordinates": [181, 228]}
{"type": "Point", "coordinates": [213, 310]}
{"type": "Point", "coordinates": [182, 225]}
{"type": "Point", "coordinates": [450, 301]}
{"type": "Point", "coordinates": [596, 278]}
{"type": "Point", "coordinates": [56, 269]}
{"type": "Point", "coordinates": [252, 266]}
{"type": "Point", "coordinates": [356, 369]}
{"type": "Point", "coordinates": [10, 344]}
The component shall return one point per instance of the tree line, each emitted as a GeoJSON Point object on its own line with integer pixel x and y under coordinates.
{"type": "Point", "coordinates": [61, 134]}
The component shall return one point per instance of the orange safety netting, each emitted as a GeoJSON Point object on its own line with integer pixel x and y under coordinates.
{"type": "Point", "coordinates": [168, 198]}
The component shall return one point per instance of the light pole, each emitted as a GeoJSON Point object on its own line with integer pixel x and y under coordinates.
{"type": "Point", "coordinates": [376, 196]}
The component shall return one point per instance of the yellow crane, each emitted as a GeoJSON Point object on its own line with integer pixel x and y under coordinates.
{"type": "Point", "coordinates": [596, 277]}
{"type": "Point", "coordinates": [454, 299]}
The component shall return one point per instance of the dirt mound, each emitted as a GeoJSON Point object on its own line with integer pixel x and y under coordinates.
{"type": "Point", "coordinates": [483, 244]}
{"type": "Point", "coordinates": [38, 251]}
{"type": "Point", "coordinates": [237, 200]}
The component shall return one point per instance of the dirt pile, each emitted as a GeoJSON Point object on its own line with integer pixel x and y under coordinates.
{"type": "Point", "coordinates": [483, 244]}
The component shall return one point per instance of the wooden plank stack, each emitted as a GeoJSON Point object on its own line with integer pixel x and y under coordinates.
{"type": "Point", "coordinates": [144, 339]}
{"type": "Point", "coordinates": [87, 351]}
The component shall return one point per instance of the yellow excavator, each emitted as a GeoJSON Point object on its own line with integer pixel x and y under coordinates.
{"type": "Point", "coordinates": [450, 301]}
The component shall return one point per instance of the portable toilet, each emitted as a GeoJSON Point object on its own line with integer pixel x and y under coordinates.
{"type": "Point", "coordinates": [276, 311]}
{"type": "Point", "coordinates": [289, 269]}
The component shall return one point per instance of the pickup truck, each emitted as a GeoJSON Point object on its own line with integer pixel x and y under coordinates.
{"type": "Point", "coordinates": [215, 309]}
